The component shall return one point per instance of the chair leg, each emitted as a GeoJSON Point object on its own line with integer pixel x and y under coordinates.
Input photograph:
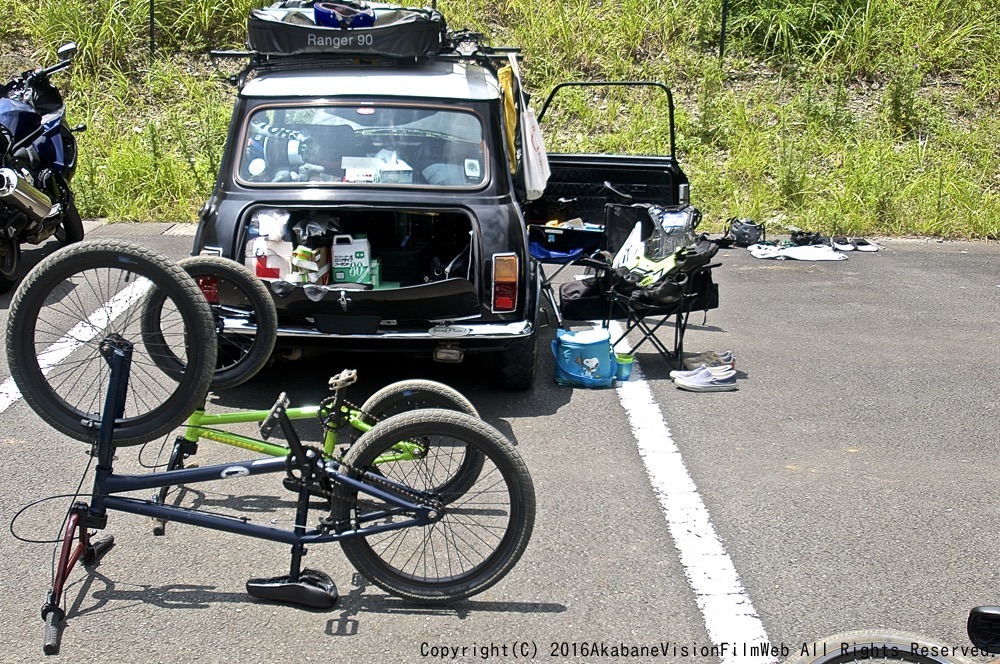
{"type": "Point", "coordinates": [649, 333]}
{"type": "Point", "coordinates": [553, 307]}
{"type": "Point", "coordinates": [674, 357]}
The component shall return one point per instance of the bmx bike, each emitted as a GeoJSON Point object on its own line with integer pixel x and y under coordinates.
{"type": "Point", "coordinates": [86, 360]}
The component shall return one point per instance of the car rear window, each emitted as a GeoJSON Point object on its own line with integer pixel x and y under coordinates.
{"type": "Point", "coordinates": [363, 145]}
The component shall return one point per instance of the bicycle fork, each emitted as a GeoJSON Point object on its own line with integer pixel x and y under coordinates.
{"type": "Point", "coordinates": [118, 354]}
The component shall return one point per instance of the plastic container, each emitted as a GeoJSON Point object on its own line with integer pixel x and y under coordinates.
{"type": "Point", "coordinates": [624, 369]}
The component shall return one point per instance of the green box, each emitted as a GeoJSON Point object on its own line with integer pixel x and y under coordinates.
{"type": "Point", "coordinates": [351, 259]}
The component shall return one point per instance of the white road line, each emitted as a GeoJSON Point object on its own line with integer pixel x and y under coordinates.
{"type": "Point", "coordinates": [82, 332]}
{"type": "Point", "coordinates": [729, 615]}
{"type": "Point", "coordinates": [9, 394]}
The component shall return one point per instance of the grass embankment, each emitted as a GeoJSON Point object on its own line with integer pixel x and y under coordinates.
{"type": "Point", "coordinates": [846, 116]}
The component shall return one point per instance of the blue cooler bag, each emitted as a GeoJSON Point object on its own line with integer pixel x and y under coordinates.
{"type": "Point", "coordinates": [584, 358]}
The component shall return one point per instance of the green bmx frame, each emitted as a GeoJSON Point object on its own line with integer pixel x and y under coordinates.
{"type": "Point", "coordinates": [333, 412]}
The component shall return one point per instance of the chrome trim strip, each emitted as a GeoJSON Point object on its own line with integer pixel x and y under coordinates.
{"type": "Point", "coordinates": [516, 329]}
{"type": "Point", "coordinates": [482, 331]}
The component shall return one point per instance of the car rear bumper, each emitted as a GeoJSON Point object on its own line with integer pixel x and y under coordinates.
{"type": "Point", "coordinates": [453, 332]}
{"type": "Point", "coordinates": [472, 336]}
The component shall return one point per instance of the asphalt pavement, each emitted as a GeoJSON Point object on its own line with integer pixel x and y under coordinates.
{"type": "Point", "coordinates": [849, 482]}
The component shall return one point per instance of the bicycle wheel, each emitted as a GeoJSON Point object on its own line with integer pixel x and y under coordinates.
{"type": "Point", "coordinates": [874, 647]}
{"type": "Point", "coordinates": [246, 322]}
{"type": "Point", "coordinates": [481, 533]}
{"type": "Point", "coordinates": [86, 294]}
{"type": "Point", "coordinates": [414, 394]}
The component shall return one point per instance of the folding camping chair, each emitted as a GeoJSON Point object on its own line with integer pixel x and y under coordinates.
{"type": "Point", "coordinates": [560, 246]}
{"type": "Point", "coordinates": [686, 287]}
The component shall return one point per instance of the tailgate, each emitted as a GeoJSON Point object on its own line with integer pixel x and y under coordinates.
{"type": "Point", "coordinates": [581, 183]}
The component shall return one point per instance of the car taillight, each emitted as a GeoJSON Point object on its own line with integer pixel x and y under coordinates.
{"type": "Point", "coordinates": [504, 282]}
{"type": "Point", "coordinates": [209, 288]}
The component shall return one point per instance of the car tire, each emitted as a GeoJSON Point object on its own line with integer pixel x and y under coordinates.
{"type": "Point", "coordinates": [514, 368]}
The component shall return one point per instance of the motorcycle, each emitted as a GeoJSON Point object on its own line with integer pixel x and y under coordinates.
{"type": "Point", "coordinates": [37, 161]}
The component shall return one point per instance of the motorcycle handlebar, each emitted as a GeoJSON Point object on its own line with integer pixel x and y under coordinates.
{"type": "Point", "coordinates": [28, 78]}
{"type": "Point", "coordinates": [59, 66]}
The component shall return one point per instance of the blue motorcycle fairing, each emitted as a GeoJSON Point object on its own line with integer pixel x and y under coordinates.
{"type": "Point", "coordinates": [54, 146]}
{"type": "Point", "coordinates": [53, 143]}
{"type": "Point", "coordinates": [20, 118]}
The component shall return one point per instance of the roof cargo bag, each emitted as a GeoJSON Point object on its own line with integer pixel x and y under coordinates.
{"type": "Point", "coordinates": [291, 27]}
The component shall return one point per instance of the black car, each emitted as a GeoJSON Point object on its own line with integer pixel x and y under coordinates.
{"type": "Point", "coordinates": [379, 203]}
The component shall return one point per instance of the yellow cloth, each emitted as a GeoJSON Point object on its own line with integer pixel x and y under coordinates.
{"type": "Point", "coordinates": [506, 78]}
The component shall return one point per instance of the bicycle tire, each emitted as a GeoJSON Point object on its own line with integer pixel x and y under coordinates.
{"type": "Point", "coordinates": [414, 394]}
{"type": "Point", "coordinates": [82, 295]}
{"type": "Point", "coordinates": [491, 522]}
{"type": "Point", "coordinates": [240, 297]}
{"type": "Point", "coordinates": [872, 647]}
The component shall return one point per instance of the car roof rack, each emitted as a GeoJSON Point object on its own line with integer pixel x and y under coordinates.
{"type": "Point", "coordinates": [456, 46]}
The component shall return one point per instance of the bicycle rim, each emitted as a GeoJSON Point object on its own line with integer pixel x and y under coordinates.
{"type": "Point", "coordinates": [85, 295]}
{"type": "Point", "coordinates": [482, 532]}
{"type": "Point", "coordinates": [238, 300]}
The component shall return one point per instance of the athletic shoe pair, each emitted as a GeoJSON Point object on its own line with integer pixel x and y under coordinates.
{"type": "Point", "coordinates": [853, 244]}
{"type": "Point", "coordinates": [720, 370]}
{"type": "Point", "coordinates": [711, 359]}
{"type": "Point", "coordinates": [706, 379]}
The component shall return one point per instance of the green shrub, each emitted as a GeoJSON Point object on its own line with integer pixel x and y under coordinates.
{"type": "Point", "coordinates": [847, 116]}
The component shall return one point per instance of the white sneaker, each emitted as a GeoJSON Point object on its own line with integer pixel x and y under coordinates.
{"type": "Point", "coordinates": [722, 369]}
{"type": "Point", "coordinates": [706, 381]}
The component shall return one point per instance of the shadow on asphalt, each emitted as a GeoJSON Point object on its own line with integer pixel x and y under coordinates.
{"type": "Point", "coordinates": [357, 603]}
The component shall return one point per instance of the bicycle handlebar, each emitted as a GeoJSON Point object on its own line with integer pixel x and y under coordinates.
{"type": "Point", "coordinates": [52, 620]}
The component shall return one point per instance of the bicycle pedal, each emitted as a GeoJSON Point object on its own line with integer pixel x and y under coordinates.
{"type": "Point", "coordinates": [314, 591]}
{"type": "Point", "coordinates": [343, 379]}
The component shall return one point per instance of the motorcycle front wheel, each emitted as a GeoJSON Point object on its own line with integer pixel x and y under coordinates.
{"type": "Point", "coordinates": [71, 228]}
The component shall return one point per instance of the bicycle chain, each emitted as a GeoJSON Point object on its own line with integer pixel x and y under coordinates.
{"type": "Point", "coordinates": [316, 481]}
{"type": "Point", "coordinates": [342, 493]}
{"type": "Point", "coordinates": [331, 419]}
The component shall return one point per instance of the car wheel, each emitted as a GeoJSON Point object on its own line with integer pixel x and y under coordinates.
{"type": "Point", "coordinates": [514, 368]}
